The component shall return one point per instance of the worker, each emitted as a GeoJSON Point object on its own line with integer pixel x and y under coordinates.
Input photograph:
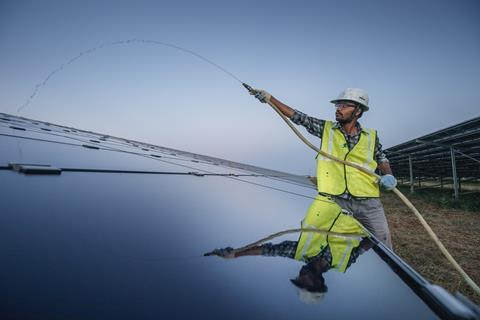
{"type": "Point", "coordinates": [319, 252]}
{"type": "Point", "coordinates": [346, 139]}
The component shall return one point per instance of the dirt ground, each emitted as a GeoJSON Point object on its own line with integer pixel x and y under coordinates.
{"type": "Point", "coordinates": [458, 230]}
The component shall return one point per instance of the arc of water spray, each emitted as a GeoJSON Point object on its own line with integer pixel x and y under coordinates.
{"type": "Point", "coordinates": [40, 85]}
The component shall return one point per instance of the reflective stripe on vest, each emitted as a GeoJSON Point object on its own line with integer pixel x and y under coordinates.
{"type": "Point", "coordinates": [335, 178]}
{"type": "Point", "coordinates": [325, 214]}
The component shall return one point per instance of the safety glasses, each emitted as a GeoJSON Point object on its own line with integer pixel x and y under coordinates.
{"type": "Point", "coordinates": [344, 105]}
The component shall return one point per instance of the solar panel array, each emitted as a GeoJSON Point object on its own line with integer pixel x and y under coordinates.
{"type": "Point", "coordinates": [24, 129]}
{"type": "Point", "coordinates": [430, 156]}
{"type": "Point", "coordinates": [110, 228]}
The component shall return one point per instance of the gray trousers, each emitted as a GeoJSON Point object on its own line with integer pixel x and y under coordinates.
{"type": "Point", "coordinates": [370, 214]}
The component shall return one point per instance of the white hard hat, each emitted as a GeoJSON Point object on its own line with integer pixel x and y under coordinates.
{"type": "Point", "coordinates": [357, 95]}
{"type": "Point", "coordinates": [308, 297]}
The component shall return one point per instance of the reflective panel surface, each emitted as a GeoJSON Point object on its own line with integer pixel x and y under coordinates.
{"type": "Point", "coordinates": [118, 245]}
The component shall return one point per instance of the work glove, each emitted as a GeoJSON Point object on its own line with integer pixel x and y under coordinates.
{"type": "Point", "coordinates": [226, 253]}
{"type": "Point", "coordinates": [387, 182]}
{"type": "Point", "coordinates": [261, 95]}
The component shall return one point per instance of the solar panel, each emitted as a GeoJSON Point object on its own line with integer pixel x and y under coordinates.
{"type": "Point", "coordinates": [119, 231]}
{"type": "Point", "coordinates": [453, 152]}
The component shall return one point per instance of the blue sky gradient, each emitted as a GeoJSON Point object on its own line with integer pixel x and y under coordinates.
{"type": "Point", "coordinates": [419, 61]}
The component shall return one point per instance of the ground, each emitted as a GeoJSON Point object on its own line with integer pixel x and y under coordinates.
{"type": "Point", "coordinates": [458, 229]}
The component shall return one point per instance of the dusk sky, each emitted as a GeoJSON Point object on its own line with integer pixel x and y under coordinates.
{"type": "Point", "coordinates": [418, 60]}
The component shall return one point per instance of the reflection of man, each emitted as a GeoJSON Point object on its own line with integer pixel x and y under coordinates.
{"type": "Point", "coordinates": [321, 252]}
{"type": "Point", "coordinates": [352, 189]}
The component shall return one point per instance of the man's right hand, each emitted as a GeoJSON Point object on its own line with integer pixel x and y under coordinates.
{"type": "Point", "coordinates": [262, 95]}
{"type": "Point", "coordinates": [265, 97]}
{"type": "Point", "coordinates": [226, 253]}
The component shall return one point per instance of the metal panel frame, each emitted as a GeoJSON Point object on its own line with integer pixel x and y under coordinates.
{"type": "Point", "coordinates": [453, 152]}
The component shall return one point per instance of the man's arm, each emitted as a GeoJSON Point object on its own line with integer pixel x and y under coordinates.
{"type": "Point", "coordinates": [286, 110]}
{"type": "Point", "coordinates": [266, 97]}
{"type": "Point", "coordinates": [284, 249]}
{"type": "Point", "coordinates": [384, 167]}
{"type": "Point", "coordinates": [387, 180]}
{"type": "Point", "coordinates": [381, 158]}
{"type": "Point", "coordinates": [254, 251]}
{"type": "Point", "coordinates": [313, 125]}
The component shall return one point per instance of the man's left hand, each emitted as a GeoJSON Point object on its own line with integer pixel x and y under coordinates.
{"type": "Point", "coordinates": [387, 182]}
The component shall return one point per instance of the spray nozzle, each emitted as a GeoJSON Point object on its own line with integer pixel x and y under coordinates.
{"type": "Point", "coordinates": [250, 89]}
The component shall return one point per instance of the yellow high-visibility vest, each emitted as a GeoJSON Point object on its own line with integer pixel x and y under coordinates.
{"type": "Point", "coordinates": [325, 214]}
{"type": "Point", "coordinates": [335, 178]}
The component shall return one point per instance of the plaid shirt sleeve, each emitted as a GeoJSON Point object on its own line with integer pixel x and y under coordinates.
{"type": "Point", "coordinates": [379, 154]}
{"type": "Point", "coordinates": [284, 249]}
{"type": "Point", "coordinates": [313, 125]}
